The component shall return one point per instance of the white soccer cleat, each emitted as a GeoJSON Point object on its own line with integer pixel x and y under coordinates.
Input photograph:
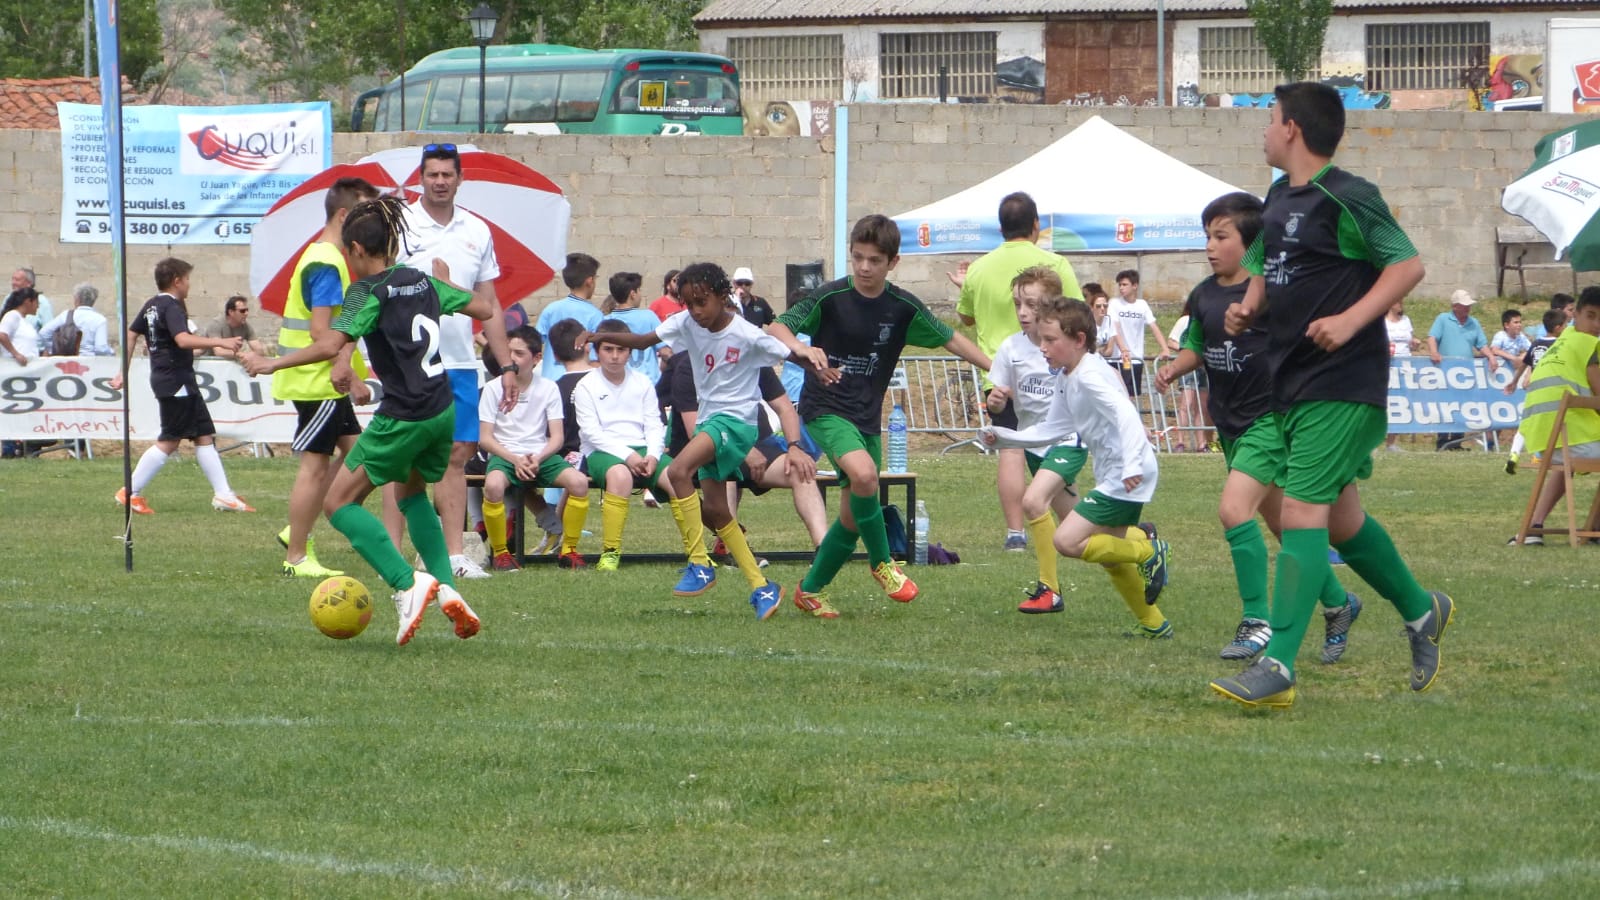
{"type": "Point", "coordinates": [457, 610]}
{"type": "Point", "coordinates": [466, 567]}
{"type": "Point", "coordinates": [409, 605]}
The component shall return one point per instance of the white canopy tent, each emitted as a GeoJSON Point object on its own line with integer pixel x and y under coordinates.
{"type": "Point", "coordinates": [1099, 190]}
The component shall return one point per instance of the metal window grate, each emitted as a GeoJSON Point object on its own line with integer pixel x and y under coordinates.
{"type": "Point", "coordinates": [798, 67]}
{"type": "Point", "coordinates": [1424, 56]}
{"type": "Point", "coordinates": [1233, 60]}
{"type": "Point", "coordinates": [908, 63]}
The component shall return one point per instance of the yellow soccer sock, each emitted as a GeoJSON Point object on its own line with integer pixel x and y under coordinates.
{"type": "Point", "coordinates": [739, 548]}
{"type": "Point", "coordinates": [687, 511]}
{"type": "Point", "coordinates": [1042, 531]}
{"type": "Point", "coordinates": [613, 515]}
{"type": "Point", "coordinates": [1129, 583]}
{"type": "Point", "coordinates": [1108, 550]}
{"type": "Point", "coordinates": [494, 524]}
{"type": "Point", "coordinates": [572, 522]}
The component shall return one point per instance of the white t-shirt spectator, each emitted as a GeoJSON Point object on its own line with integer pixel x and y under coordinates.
{"type": "Point", "coordinates": [615, 418]}
{"type": "Point", "coordinates": [24, 337]}
{"type": "Point", "coordinates": [1516, 346]}
{"type": "Point", "coordinates": [1130, 318]}
{"type": "Point", "coordinates": [465, 245]}
{"type": "Point", "coordinates": [526, 428]}
{"type": "Point", "coordinates": [1400, 335]}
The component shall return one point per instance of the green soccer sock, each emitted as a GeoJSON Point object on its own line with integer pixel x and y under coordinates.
{"type": "Point", "coordinates": [1372, 555]}
{"type": "Point", "coordinates": [369, 538]}
{"type": "Point", "coordinates": [1302, 571]}
{"type": "Point", "coordinates": [1249, 551]}
{"type": "Point", "coordinates": [427, 535]}
{"type": "Point", "coordinates": [837, 546]}
{"type": "Point", "coordinates": [869, 524]}
{"type": "Point", "coordinates": [1333, 594]}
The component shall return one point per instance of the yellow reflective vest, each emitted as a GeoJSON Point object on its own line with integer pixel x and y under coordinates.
{"type": "Point", "coordinates": [1564, 369]}
{"type": "Point", "coordinates": [309, 382]}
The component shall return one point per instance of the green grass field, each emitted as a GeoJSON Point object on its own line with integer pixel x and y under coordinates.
{"type": "Point", "coordinates": [183, 730]}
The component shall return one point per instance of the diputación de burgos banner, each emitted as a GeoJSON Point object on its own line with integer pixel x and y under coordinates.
{"type": "Point", "coordinates": [70, 398]}
{"type": "Point", "coordinates": [1454, 396]}
{"type": "Point", "coordinates": [191, 174]}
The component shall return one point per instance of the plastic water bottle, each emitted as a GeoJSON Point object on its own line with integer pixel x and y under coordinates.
{"type": "Point", "coordinates": [921, 526]}
{"type": "Point", "coordinates": [897, 440]}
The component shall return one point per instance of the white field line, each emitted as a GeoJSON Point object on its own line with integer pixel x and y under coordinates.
{"type": "Point", "coordinates": [410, 872]}
{"type": "Point", "coordinates": [1523, 876]}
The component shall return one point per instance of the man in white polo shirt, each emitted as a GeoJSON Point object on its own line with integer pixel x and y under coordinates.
{"type": "Point", "coordinates": [438, 229]}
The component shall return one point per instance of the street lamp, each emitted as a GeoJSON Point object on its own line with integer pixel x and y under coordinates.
{"type": "Point", "coordinates": [482, 19]}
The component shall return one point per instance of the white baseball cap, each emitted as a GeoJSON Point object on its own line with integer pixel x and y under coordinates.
{"type": "Point", "coordinates": [1461, 298]}
{"type": "Point", "coordinates": [743, 273]}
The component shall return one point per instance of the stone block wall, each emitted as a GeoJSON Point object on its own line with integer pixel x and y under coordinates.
{"type": "Point", "coordinates": [648, 204]}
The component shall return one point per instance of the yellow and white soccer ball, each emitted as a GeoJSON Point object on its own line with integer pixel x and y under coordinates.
{"type": "Point", "coordinates": [341, 607]}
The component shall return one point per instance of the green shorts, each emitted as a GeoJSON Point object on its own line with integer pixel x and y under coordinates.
{"type": "Point", "coordinates": [838, 436]}
{"type": "Point", "coordinates": [1109, 511]}
{"type": "Point", "coordinates": [1259, 452]}
{"type": "Point", "coordinates": [1329, 445]}
{"type": "Point", "coordinates": [598, 463]}
{"type": "Point", "coordinates": [1060, 459]}
{"type": "Point", "coordinates": [391, 448]}
{"type": "Point", "coordinates": [732, 439]}
{"type": "Point", "coordinates": [549, 471]}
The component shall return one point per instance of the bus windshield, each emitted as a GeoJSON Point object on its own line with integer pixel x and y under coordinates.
{"type": "Point", "coordinates": [677, 93]}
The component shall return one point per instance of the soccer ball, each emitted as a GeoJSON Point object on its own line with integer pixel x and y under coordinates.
{"type": "Point", "coordinates": [341, 607]}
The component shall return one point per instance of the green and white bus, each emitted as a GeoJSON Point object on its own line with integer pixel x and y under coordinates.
{"type": "Point", "coordinates": [554, 89]}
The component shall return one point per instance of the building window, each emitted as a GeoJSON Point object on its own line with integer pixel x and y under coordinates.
{"type": "Point", "coordinates": [908, 63]}
{"type": "Point", "coordinates": [1424, 56]}
{"type": "Point", "coordinates": [1234, 61]}
{"type": "Point", "coordinates": [799, 67]}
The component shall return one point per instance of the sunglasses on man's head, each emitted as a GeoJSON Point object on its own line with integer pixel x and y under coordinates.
{"type": "Point", "coordinates": [446, 149]}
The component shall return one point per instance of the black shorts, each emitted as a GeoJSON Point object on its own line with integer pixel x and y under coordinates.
{"type": "Point", "coordinates": [1132, 376]}
{"type": "Point", "coordinates": [770, 449]}
{"type": "Point", "coordinates": [322, 423]}
{"type": "Point", "coordinates": [1005, 418]}
{"type": "Point", "coordinates": [184, 418]}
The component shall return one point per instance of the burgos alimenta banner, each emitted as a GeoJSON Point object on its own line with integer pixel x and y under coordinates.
{"type": "Point", "coordinates": [191, 174]}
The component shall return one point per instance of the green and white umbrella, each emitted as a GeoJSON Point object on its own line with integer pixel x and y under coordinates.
{"type": "Point", "coordinates": [1560, 194]}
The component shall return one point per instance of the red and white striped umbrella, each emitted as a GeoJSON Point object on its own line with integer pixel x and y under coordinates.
{"type": "Point", "coordinates": [527, 215]}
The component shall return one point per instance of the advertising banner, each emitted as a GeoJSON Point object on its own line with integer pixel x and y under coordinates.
{"type": "Point", "coordinates": [1455, 396]}
{"type": "Point", "coordinates": [68, 398]}
{"type": "Point", "coordinates": [191, 174]}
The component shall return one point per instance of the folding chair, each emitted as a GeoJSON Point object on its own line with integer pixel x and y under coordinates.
{"type": "Point", "coordinates": [1569, 466]}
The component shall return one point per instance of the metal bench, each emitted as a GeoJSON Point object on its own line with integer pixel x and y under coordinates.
{"type": "Point", "coordinates": [1512, 245]}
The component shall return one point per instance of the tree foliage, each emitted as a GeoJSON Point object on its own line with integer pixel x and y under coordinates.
{"type": "Point", "coordinates": [1292, 31]}
{"type": "Point", "coordinates": [44, 39]}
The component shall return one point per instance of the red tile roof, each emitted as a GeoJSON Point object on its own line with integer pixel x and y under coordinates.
{"type": "Point", "coordinates": [31, 102]}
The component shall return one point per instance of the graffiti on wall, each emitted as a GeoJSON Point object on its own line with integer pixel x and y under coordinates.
{"type": "Point", "coordinates": [1512, 76]}
{"type": "Point", "coordinates": [1352, 89]}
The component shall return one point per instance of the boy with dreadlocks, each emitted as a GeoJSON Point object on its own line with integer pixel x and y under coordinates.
{"type": "Point", "coordinates": [397, 310]}
{"type": "Point", "coordinates": [728, 354]}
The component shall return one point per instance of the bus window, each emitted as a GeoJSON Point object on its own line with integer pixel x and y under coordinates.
{"type": "Point", "coordinates": [677, 93]}
{"type": "Point", "coordinates": [580, 96]}
{"type": "Point", "coordinates": [444, 108]}
{"type": "Point", "coordinates": [495, 88]}
{"type": "Point", "coordinates": [533, 97]}
{"type": "Point", "coordinates": [416, 92]}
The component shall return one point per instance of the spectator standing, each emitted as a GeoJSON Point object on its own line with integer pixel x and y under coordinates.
{"type": "Point", "coordinates": [668, 303]}
{"type": "Point", "coordinates": [438, 230]}
{"type": "Point", "coordinates": [1562, 302]}
{"type": "Point", "coordinates": [24, 278]}
{"type": "Point", "coordinates": [1130, 315]}
{"type": "Point", "coordinates": [756, 310]}
{"type": "Point", "coordinates": [623, 305]}
{"type": "Point", "coordinates": [579, 276]}
{"type": "Point", "coordinates": [1403, 341]}
{"type": "Point", "coordinates": [234, 322]}
{"type": "Point", "coordinates": [91, 325]}
{"type": "Point", "coordinates": [18, 336]}
{"type": "Point", "coordinates": [1456, 334]}
{"type": "Point", "coordinates": [987, 305]}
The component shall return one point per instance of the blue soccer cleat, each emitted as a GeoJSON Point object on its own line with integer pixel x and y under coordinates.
{"type": "Point", "coordinates": [696, 580]}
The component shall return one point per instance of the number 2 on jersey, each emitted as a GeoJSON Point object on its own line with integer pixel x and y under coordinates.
{"type": "Point", "coordinates": [422, 326]}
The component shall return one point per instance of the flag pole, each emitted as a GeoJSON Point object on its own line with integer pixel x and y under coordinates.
{"type": "Point", "coordinates": [110, 47]}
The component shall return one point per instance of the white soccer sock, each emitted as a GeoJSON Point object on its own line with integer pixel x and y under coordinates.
{"type": "Point", "coordinates": [1517, 444]}
{"type": "Point", "coordinates": [211, 464]}
{"type": "Point", "coordinates": [149, 464]}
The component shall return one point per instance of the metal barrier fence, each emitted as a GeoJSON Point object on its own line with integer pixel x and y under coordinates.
{"type": "Point", "coordinates": [943, 396]}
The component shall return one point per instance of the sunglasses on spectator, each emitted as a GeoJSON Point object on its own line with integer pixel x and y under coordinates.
{"type": "Point", "coordinates": [745, 283]}
{"type": "Point", "coordinates": [442, 149]}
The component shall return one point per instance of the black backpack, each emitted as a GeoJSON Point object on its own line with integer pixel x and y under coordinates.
{"type": "Point", "coordinates": [67, 338]}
